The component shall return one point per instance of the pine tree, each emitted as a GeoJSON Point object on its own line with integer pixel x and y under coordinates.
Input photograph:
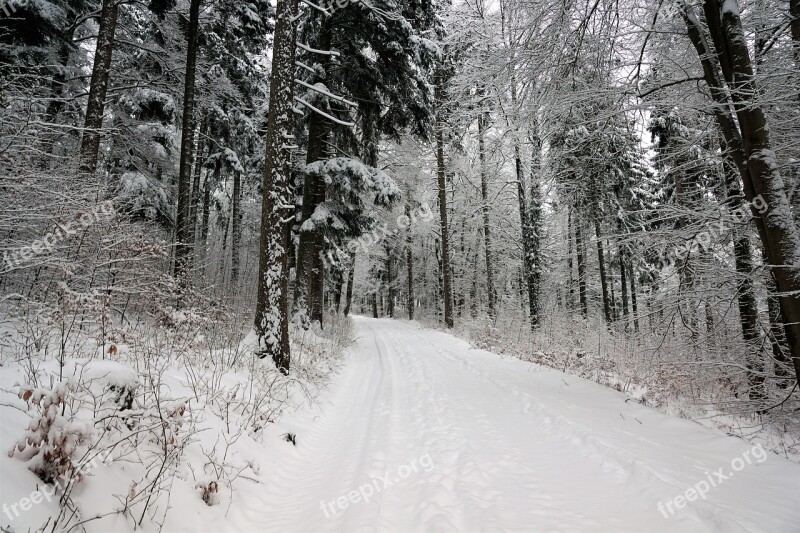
{"type": "Point", "coordinates": [272, 304]}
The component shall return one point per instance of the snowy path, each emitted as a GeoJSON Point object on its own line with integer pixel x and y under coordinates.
{"type": "Point", "coordinates": [475, 442]}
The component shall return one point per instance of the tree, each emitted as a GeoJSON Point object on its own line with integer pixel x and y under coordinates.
{"type": "Point", "coordinates": [98, 87]}
{"type": "Point", "coordinates": [272, 309]}
{"type": "Point", "coordinates": [184, 240]}
{"type": "Point", "coordinates": [732, 83]}
{"type": "Point", "coordinates": [442, 188]}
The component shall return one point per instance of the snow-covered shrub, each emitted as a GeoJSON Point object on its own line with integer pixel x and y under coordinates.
{"type": "Point", "coordinates": [209, 492]}
{"type": "Point", "coordinates": [52, 441]}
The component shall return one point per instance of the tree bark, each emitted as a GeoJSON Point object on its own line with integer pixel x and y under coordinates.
{"type": "Point", "coordinates": [98, 87]}
{"type": "Point", "coordinates": [570, 279]}
{"type": "Point", "coordinates": [389, 283]}
{"type": "Point", "coordinates": [602, 264]}
{"type": "Point", "coordinates": [183, 239]}
{"type": "Point", "coordinates": [350, 277]}
{"type": "Point", "coordinates": [634, 307]}
{"type": "Point", "coordinates": [272, 318]}
{"type": "Point", "coordinates": [236, 228]}
{"type": "Point", "coordinates": [309, 278]}
{"type": "Point", "coordinates": [487, 237]}
{"type": "Point", "coordinates": [534, 245]}
{"type": "Point", "coordinates": [526, 230]}
{"type": "Point", "coordinates": [409, 270]}
{"type": "Point", "coordinates": [624, 285]}
{"type": "Point", "coordinates": [205, 218]}
{"type": "Point", "coordinates": [443, 227]}
{"type": "Point", "coordinates": [749, 146]}
{"type": "Point", "coordinates": [745, 294]}
{"type": "Point", "coordinates": [56, 103]}
{"type": "Point", "coordinates": [197, 176]}
{"type": "Point", "coordinates": [581, 252]}
{"type": "Point", "coordinates": [794, 12]}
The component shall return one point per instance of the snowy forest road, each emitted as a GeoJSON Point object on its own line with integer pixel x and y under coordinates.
{"type": "Point", "coordinates": [420, 432]}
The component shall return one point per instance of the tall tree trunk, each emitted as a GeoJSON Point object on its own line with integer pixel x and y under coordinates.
{"type": "Point", "coordinates": [409, 270]}
{"type": "Point", "coordinates": [610, 279]}
{"type": "Point", "coordinates": [473, 288]}
{"type": "Point", "coordinates": [236, 229]}
{"type": "Point", "coordinates": [350, 277]}
{"type": "Point", "coordinates": [777, 335]}
{"type": "Point", "coordinates": [443, 227]}
{"type": "Point", "coordinates": [624, 285]}
{"type": "Point", "coordinates": [389, 284]}
{"type": "Point", "coordinates": [745, 294]}
{"type": "Point", "coordinates": [685, 264]}
{"type": "Point", "coordinates": [534, 245]}
{"type": "Point", "coordinates": [309, 278]}
{"type": "Point", "coordinates": [526, 223]}
{"type": "Point", "coordinates": [570, 280]}
{"type": "Point", "coordinates": [56, 103]}
{"type": "Point", "coordinates": [204, 219]}
{"type": "Point", "coordinates": [338, 289]}
{"type": "Point", "coordinates": [197, 173]}
{"type": "Point", "coordinates": [581, 252]}
{"type": "Point", "coordinates": [272, 313]}
{"type": "Point", "coordinates": [748, 315]}
{"type": "Point", "coordinates": [747, 141]}
{"type": "Point", "coordinates": [487, 237]}
{"type": "Point", "coordinates": [794, 12]}
{"type": "Point", "coordinates": [98, 87]}
{"type": "Point", "coordinates": [634, 307]}
{"type": "Point", "coordinates": [526, 230]}
{"type": "Point", "coordinates": [183, 238]}
{"type": "Point", "coordinates": [602, 264]}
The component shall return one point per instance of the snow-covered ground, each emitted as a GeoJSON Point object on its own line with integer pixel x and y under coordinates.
{"type": "Point", "coordinates": [419, 432]}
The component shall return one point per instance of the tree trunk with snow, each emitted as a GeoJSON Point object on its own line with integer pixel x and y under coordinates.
{"type": "Point", "coordinates": [534, 225]}
{"type": "Point", "coordinates": [98, 86]}
{"type": "Point", "coordinates": [581, 254]}
{"type": "Point", "coordinates": [350, 277]}
{"type": "Point", "coordinates": [272, 319]}
{"type": "Point", "coordinates": [483, 125]}
{"type": "Point", "coordinates": [441, 180]}
{"type": "Point", "coordinates": [389, 282]}
{"type": "Point", "coordinates": [601, 261]}
{"type": "Point", "coordinates": [197, 173]}
{"type": "Point", "coordinates": [309, 278]}
{"type": "Point", "coordinates": [749, 146]}
{"type": "Point", "coordinates": [409, 269]}
{"type": "Point", "coordinates": [236, 228]}
{"type": "Point", "coordinates": [183, 238]}
{"type": "Point", "coordinates": [526, 230]}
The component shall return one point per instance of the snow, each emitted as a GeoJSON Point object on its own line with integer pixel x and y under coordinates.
{"type": "Point", "coordinates": [730, 6]}
{"type": "Point", "coordinates": [422, 432]}
{"type": "Point", "coordinates": [509, 446]}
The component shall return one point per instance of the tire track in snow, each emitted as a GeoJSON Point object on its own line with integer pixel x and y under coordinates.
{"type": "Point", "coordinates": [507, 456]}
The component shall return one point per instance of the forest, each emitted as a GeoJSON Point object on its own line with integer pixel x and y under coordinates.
{"type": "Point", "coordinates": [258, 254]}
